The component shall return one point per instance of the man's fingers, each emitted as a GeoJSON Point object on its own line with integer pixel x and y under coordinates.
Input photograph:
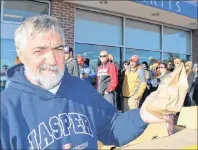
{"type": "Point", "coordinates": [167, 118]}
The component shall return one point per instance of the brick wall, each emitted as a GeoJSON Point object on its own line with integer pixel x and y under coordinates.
{"type": "Point", "coordinates": [195, 46]}
{"type": "Point", "coordinates": [65, 13]}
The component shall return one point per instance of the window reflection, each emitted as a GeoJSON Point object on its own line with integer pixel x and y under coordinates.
{"type": "Point", "coordinates": [142, 35]}
{"type": "Point", "coordinates": [177, 41]}
{"type": "Point", "coordinates": [93, 51]}
{"type": "Point", "coordinates": [98, 28]}
{"type": "Point", "coordinates": [8, 55]}
{"type": "Point", "coordinates": [144, 55]}
{"type": "Point", "coordinates": [8, 52]}
{"type": "Point", "coordinates": [18, 11]}
{"type": "Point", "coordinates": [8, 58]}
{"type": "Point", "coordinates": [171, 57]}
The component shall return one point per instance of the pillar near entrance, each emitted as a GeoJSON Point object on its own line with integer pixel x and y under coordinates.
{"type": "Point", "coordinates": [65, 13]}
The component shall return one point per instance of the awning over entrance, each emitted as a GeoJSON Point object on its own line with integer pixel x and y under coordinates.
{"type": "Point", "coordinates": [147, 9]}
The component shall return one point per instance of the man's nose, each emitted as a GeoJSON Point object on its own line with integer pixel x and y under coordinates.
{"type": "Point", "coordinates": [50, 57]}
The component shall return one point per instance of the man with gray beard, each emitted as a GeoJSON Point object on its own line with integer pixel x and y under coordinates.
{"type": "Point", "coordinates": [45, 107]}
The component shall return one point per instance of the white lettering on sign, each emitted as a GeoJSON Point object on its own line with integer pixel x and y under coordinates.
{"type": "Point", "coordinates": [178, 6]}
{"type": "Point", "coordinates": [170, 6]}
{"type": "Point", "coordinates": [153, 1]}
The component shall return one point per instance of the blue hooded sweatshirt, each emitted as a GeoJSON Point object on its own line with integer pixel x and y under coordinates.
{"type": "Point", "coordinates": [73, 118]}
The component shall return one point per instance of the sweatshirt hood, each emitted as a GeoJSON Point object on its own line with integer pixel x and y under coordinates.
{"type": "Point", "coordinates": [19, 81]}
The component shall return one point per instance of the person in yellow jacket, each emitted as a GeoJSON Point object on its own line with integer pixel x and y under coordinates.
{"type": "Point", "coordinates": [134, 84]}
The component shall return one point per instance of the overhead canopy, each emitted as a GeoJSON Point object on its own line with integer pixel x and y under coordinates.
{"type": "Point", "coordinates": [147, 9]}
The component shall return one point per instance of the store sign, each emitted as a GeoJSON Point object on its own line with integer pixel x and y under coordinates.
{"type": "Point", "coordinates": [171, 5]}
{"type": "Point", "coordinates": [176, 6]}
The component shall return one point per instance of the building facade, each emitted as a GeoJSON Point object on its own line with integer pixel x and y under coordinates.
{"type": "Point", "coordinates": [160, 29]}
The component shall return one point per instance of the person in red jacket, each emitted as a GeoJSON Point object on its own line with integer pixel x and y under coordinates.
{"type": "Point", "coordinates": [107, 78]}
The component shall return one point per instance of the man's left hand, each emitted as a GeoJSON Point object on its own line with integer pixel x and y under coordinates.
{"type": "Point", "coordinates": [148, 117]}
{"type": "Point", "coordinates": [135, 97]}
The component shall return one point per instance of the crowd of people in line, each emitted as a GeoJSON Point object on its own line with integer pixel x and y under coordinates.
{"type": "Point", "coordinates": [126, 86]}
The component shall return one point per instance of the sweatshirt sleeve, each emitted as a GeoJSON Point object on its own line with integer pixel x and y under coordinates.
{"type": "Point", "coordinates": [113, 73]}
{"type": "Point", "coordinates": [76, 71]}
{"type": "Point", "coordinates": [115, 128]}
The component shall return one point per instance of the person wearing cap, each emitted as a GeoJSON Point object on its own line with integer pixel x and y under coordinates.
{"type": "Point", "coordinates": [134, 84]}
{"type": "Point", "coordinates": [71, 63]}
{"type": "Point", "coordinates": [86, 72]}
{"type": "Point", "coordinates": [107, 78]}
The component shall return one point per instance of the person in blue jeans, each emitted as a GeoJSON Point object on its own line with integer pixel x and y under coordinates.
{"type": "Point", "coordinates": [86, 72]}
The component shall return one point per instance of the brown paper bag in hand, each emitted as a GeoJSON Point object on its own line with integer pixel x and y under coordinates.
{"type": "Point", "coordinates": [170, 95]}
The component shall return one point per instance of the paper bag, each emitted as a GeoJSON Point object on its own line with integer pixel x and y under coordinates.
{"type": "Point", "coordinates": [170, 95]}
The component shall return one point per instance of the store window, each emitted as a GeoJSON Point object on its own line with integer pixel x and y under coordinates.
{"type": "Point", "coordinates": [142, 35]}
{"type": "Point", "coordinates": [176, 41]}
{"type": "Point", "coordinates": [98, 28]}
{"type": "Point", "coordinates": [8, 55]}
{"type": "Point", "coordinates": [171, 57]}
{"type": "Point", "coordinates": [8, 52]}
{"type": "Point", "coordinates": [144, 55]}
{"type": "Point", "coordinates": [93, 52]}
{"type": "Point", "coordinates": [18, 11]}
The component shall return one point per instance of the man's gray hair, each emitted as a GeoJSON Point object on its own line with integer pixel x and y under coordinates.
{"type": "Point", "coordinates": [33, 26]}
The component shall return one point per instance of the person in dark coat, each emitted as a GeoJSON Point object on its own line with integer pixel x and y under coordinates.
{"type": "Point", "coordinates": [149, 78]}
{"type": "Point", "coordinates": [195, 92]}
{"type": "Point", "coordinates": [86, 61]}
{"type": "Point", "coordinates": [121, 74]}
{"type": "Point", "coordinates": [195, 87]}
{"type": "Point", "coordinates": [190, 77]}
